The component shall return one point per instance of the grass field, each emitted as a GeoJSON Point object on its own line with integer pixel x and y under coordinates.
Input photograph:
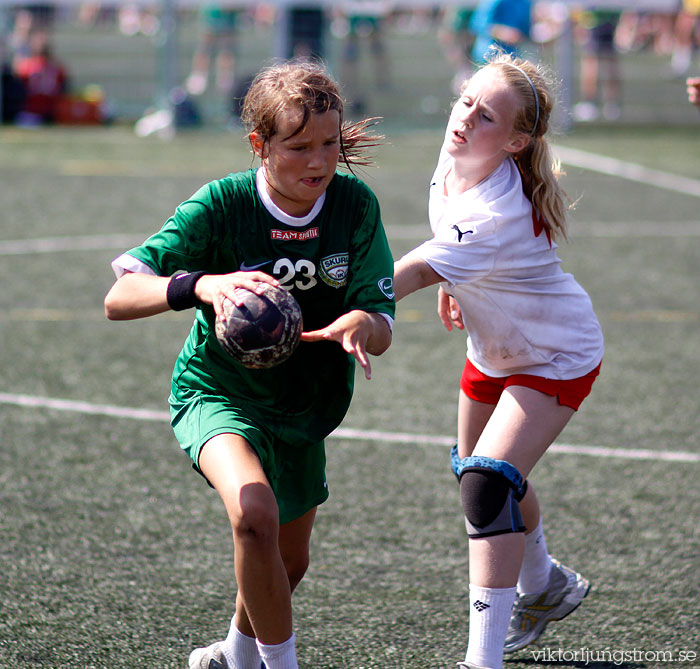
{"type": "Point", "coordinates": [114, 554]}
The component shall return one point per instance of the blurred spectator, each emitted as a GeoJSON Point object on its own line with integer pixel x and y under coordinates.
{"type": "Point", "coordinates": [549, 20]}
{"type": "Point", "coordinates": [600, 68]}
{"type": "Point", "coordinates": [638, 30]}
{"type": "Point", "coordinates": [685, 37]}
{"type": "Point", "coordinates": [92, 13]}
{"type": "Point", "coordinates": [217, 41]}
{"type": "Point", "coordinates": [12, 91]}
{"type": "Point", "coordinates": [500, 24]}
{"type": "Point", "coordinates": [27, 19]}
{"type": "Point", "coordinates": [44, 79]}
{"type": "Point", "coordinates": [136, 18]}
{"type": "Point", "coordinates": [307, 27]}
{"type": "Point", "coordinates": [457, 41]}
{"type": "Point", "coordinates": [19, 38]}
{"type": "Point", "coordinates": [693, 84]}
{"type": "Point", "coordinates": [365, 23]}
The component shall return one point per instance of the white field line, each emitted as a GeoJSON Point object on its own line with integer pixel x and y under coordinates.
{"type": "Point", "coordinates": [14, 247]}
{"type": "Point", "coordinates": [568, 155]}
{"type": "Point", "coordinates": [630, 171]}
{"type": "Point", "coordinates": [36, 402]}
{"type": "Point", "coordinates": [410, 231]}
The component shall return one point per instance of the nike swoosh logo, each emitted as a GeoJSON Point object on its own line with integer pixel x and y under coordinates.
{"type": "Point", "coordinates": [249, 268]}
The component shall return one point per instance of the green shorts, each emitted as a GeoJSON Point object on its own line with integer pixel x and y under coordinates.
{"type": "Point", "coordinates": [297, 474]}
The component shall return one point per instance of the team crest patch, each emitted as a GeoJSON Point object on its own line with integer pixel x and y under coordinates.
{"type": "Point", "coordinates": [333, 270]}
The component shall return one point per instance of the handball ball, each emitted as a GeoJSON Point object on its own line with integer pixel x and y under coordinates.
{"type": "Point", "coordinates": [264, 331]}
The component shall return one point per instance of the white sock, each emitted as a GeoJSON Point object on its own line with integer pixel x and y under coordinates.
{"type": "Point", "coordinates": [240, 651]}
{"type": "Point", "coordinates": [281, 655]}
{"type": "Point", "coordinates": [534, 572]}
{"type": "Point", "coordinates": [490, 610]}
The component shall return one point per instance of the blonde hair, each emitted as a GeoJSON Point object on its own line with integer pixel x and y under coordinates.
{"type": "Point", "coordinates": [305, 85]}
{"type": "Point", "coordinates": [539, 169]}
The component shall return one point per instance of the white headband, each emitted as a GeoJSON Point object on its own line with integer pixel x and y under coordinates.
{"type": "Point", "coordinates": [534, 92]}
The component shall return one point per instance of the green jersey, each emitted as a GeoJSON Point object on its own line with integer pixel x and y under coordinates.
{"type": "Point", "coordinates": [334, 260]}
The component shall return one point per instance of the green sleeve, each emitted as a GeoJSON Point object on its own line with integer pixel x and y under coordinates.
{"type": "Point", "coordinates": [185, 240]}
{"type": "Point", "coordinates": [371, 271]}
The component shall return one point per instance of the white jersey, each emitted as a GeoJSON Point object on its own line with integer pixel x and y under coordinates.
{"type": "Point", "coordinates": [524, 315]}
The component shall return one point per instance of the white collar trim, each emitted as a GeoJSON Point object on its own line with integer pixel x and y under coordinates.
{"type": "Point", "coordinates": [283, 217]}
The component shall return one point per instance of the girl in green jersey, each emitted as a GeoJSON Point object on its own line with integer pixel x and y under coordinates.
{"type": "Point", "coordinates": [257, 435]}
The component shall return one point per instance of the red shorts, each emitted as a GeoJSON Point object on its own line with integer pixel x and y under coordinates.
{"type": "Point", "coordinates": [488, 389]}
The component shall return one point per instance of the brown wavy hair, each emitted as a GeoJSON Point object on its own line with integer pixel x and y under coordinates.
{"type": "Point", "coordinates": [307, 86]}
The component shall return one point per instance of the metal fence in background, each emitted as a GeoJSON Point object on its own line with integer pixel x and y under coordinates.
{"type": "Point", "coordinates": [132, 58]}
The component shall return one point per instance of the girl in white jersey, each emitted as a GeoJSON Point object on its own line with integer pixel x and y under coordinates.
{"type": "Point", "coordinates": [533, 351]}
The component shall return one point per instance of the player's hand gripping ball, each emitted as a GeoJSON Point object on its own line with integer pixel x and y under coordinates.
{"type": "Point", "coordinates": [264, 331]}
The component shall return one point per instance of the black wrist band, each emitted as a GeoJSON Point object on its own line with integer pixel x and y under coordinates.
{"type": "Point", "coordinates": [180, 294]}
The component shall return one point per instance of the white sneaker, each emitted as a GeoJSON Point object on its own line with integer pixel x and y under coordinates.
{"type": "Point", "coordinates": [211, 657]}
{"type": "Point", "coordinates": [586, 111]}
{"type": "Point", "coordinates": [531, 613]}
{"type": "Point", "coordinates": [196, 83]}
{"type": "Point", "coordinates": [612, 111]}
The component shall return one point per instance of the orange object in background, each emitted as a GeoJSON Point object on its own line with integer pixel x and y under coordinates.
{"type": "Point", "coordinates": [72, 110]}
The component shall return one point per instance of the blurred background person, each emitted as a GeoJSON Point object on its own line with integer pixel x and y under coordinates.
{"type": "Point", "coordinates": [685, 37]}
{"type": "Point", "coordinates": [44, 79]}
{"type": "Point", "coordinates": [639, 30]}
{"type": "Point", "coordinates": [502, 25]}
{"type": "Point", "coordinates": [306, 27]}
{"type": "Point", "coordinates": [135, 19]}
{"type": "Point", "coordinates": [217, 45]}
{"type": "Point", "coordinates": [457, 42]}
{"type": "Point", "coordinates": [600, 68]}
{"type": "Point", "coordinates": [12, 91]}
{"type": "Point", "coordinates": [363, 31]}
{"type": "Point", "coordinates": [25, 21]}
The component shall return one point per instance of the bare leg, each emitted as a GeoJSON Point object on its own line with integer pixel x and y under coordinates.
{"type": "Point", "coordinates": [589, 78]}
{"type": "Point", "coordinates": [521, 428]}
{"type": "Point", "coordinates": [472, 418]}
{"type": "Point", "coordinates": [294, 540]}
{"type": "Point", "coordinates": [264, 591]}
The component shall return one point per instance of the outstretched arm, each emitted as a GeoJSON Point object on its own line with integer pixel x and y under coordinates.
{"type": "Point", "coordinates": [412, 274]}
{"type": "Point", "coordinates": [138, 295]}
{"type": "Point", "coordinates": [359, 333]}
